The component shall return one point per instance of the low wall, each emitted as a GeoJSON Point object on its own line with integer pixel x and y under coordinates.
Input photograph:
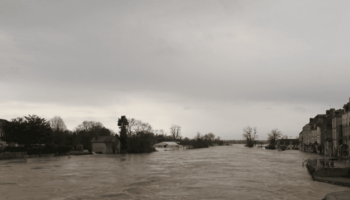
{"type": "Point", "coordinates": [14, 155]}
{"type": "Point", "coordinates": [332, 172]}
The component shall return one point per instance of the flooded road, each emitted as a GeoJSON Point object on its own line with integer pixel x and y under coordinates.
{"type": "Point", "coordinates": [227, 172]}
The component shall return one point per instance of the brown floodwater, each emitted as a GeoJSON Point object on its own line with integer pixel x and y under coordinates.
{"type": "Point", "coordinates": [227, 172]}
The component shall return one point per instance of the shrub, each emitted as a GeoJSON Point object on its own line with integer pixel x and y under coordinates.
{"type": "Point", "coordinates": [48, 149]}
{"type": "Point", "coordinates": [34, 150]}
{"type": "Point", "coordinates": [137, 144]}
{"type": "Point", "coordinates": [63, 149]}
{"type": "Point", "coordinates": [15, 149]}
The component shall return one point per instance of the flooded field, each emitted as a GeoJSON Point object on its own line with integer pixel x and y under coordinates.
{"type": "Point", "coordinates": [228, 172]}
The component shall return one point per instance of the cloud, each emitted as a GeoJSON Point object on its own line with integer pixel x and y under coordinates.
{"type": "Point", "coordinates": [186, 55]}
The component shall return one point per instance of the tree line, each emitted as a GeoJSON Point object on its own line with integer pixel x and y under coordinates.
{"type": "Point", "coordinates": [36, 134]}
{"type": "Point", "coordinates": [39, 135]}
{"type": "Point", "coordinates": [137, 136]}
{"type": "Point", "coordinates": [250, 136]}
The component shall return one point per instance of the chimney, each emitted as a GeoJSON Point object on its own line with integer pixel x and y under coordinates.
{"type": "Point", "coordinates": [311, 119]}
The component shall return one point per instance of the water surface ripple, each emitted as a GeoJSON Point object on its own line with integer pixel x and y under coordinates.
{"type": "Point", "coordinates": [227, 172]}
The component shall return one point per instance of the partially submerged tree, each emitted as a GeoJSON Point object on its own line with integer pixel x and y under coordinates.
{"type": "Point", "coordinates": [135, 126]}
{"type": "Point", "coordinates": [250, 136]}
{"type": "Point", "coordinates": [273, 136]}
{"type": "Point", "coordinates": [57, 124]}
{"type": "Point", "coordinates": [89, 126]}
{"type": "Point", "coordinates": [122, 123]}
{"type": "Point", "coordinates": [175, 131]}
{"type": "Point", "coordinates": [198, 136]}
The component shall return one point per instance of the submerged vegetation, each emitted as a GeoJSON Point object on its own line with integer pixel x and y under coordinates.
{"type": "Point", "coordinates": [250, 135]}
{"type": "Point", "coordinates": [141, 142]}
{"type": "Point", "coordinates": [202, 141]}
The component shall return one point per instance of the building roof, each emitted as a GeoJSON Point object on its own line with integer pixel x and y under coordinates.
{"type": "Point", "coordinates": [103, 139]}
{"type": "Point", "coordinates": [320, 115]}
{"type": "Point", "coordinates": [338, 115]}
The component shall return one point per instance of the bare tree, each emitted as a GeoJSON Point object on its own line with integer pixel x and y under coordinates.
{"type": "Point", "coordinates": [198, 136]}
{"type": "Point", "coordinates": [274, 135]}
{"type": "Point", "coordinates": [57, 124]}
{"type": "Point", "coordinates": [89, 126]}
{"type": "Point", "coordinates": [160, 133]}
{"type": "Point", "coordinates": [211, 136]}
{"type": "Point", "coordinates": [175, 131]}
{"type": "Point", "coordinates": [145, 127]}
{"type": "Point", "coordinates": [135, 126]}
{"type": "Point", "coordinates": [285, 137]}
{"type": "Point", "coordinates": [131, 126]}
{"type": "Point", "coordinates": [250, 135]}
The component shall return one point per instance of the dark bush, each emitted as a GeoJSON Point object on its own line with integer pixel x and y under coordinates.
{"type": "Point", "coordinates": [15, 149]}
{"type": "Point", "coordinates": [34, 150]}
{"type": "Point", "coordinates": [137, 144]}
{"type": "Point", "coordinates": [63, 149]}
{"type": "Point", "coordinates": [48, 149]}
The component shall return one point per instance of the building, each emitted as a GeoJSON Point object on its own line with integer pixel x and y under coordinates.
{"type": "Point", "coordinates": [301, 143]}
{"type": "Point", "coordinates": [166, 145]}
{"type": "Point", "coordinates": [306, 137]}
{"type": "Point", "coordinates": [325, 133]}
{"type": "Point", "coordinates": [288, 143]}
{"type": "Point", "coordinates": [337, 132]}
{"type": "Point", "coordinates": [105, 144]}
{"type": "Point", "coordinates": [345, 123]}
{"type": "Point", "coordinates": [321, 132]}
{"type": "Point", "coordinates": [2, 143]}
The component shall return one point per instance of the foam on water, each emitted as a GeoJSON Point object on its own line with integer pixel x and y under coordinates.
{"type": "Point", "coordinates": [228, 172]}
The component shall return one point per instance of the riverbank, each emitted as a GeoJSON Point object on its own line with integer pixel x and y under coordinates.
{"type": "Point", "coordinates": [342, 195]}
{"type": "Point", "coordinates": [335, 172]}
{"type": "Point", "coordinates": [22, 155]}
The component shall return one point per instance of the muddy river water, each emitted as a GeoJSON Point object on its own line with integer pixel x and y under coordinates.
{"type": "Point", "coordinates": [227, 172]}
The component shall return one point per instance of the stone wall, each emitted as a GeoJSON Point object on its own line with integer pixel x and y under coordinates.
{"type": "Point", "coordinates": [332, 172]}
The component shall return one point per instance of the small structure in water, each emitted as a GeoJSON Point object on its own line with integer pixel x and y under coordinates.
{"type": "Point", "coordinates": [166, 146]}
{"type": "Point", "coordinates": [287, 144]}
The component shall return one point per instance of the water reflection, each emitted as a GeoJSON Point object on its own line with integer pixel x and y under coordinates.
{"type": "Point", "coordinates": [228, 172]}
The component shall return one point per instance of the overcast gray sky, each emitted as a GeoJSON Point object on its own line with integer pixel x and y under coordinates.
{"type": "Point", "coordinates": [208, 66]}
